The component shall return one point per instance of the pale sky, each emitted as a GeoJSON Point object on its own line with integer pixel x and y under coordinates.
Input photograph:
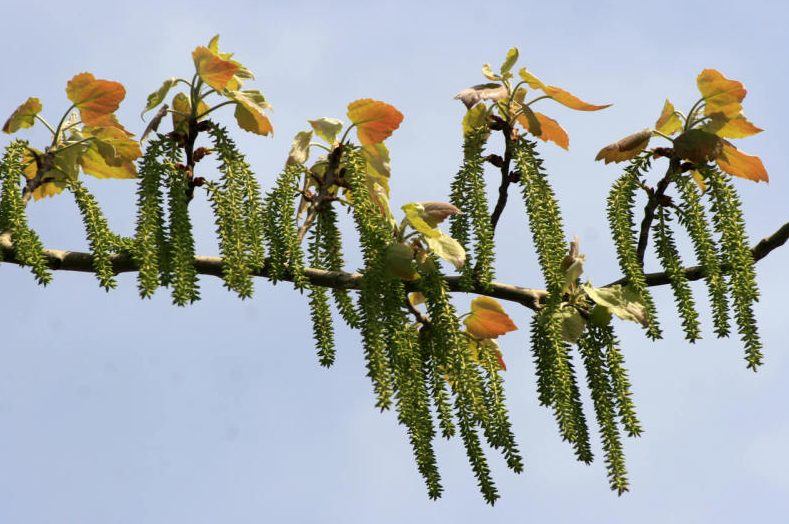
{"type": "Point", "coordinates": [118, 410]}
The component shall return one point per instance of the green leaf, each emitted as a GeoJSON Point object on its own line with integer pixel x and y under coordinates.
{"type": "Point", "coordinates": [512, 57]}
{"type": "Point", "coordinates": [377, 157]}
{"type": "Point", "coordinates": [24, 116]}
{"type": "Point", "coordinates": [447, 248]}
{"type": "Point", "coordinates": [399, 261]}
{"type": "Point", "coordinates": [327, 128]}
{"type": "Point", "coordinates": [572, 265]}
{"type": "Point", "coordinates": [300, 149]}
{"type": "Point", "coordinates": [157, 97]}
{"type": "Point", "coordinates": [698, 146]}
{"type": "Point", "coordinates": [622, 302]}
{"type": "Point", "coordinates": [573, 324]}
{"type": "Point", "coordinates": [413, 214]}
{"type": "Point", "coordinates": [476, 117]}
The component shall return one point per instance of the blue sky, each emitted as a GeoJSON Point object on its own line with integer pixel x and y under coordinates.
{"type": "Point", "coordinates": [114, 409]}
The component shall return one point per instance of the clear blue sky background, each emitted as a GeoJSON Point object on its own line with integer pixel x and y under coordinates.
{"type": "Point", "coordinates": [117, 410]}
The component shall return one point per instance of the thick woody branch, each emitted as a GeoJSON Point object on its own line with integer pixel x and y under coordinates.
{"type": "Point", "coordinates": [531, 298]}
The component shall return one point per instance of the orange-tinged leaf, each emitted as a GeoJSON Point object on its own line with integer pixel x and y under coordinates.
{"type": "Point", "coordinates": [94, 164]}
{"type": "Point", "coordinates": [475, 346]}
{"type": "Point", "coordinates": [549, 129]}
{"type": "Point", "coordinates": [737, 127]}
{"type": "Point", "coordinates": [181, 104]}
{"type": "Point", "coordinates": [533, 81]}
{"type": "Point", "coordinates": [626, 148]}
{"type": "Point", "coordinates": [568, 100]}
{"type": "Point", "coordinates": [375, 121]}
{"type": "Point", "coordinates": [95, 99]}
{"type": "Point", "coordinates": [24, 116]}
{"type": "Point", "coordinates": [48, 189]}
{"type": "Point", "coordinates": [488, 319]}
{"type": "Point", "coordinates": [669, 122]}
{"type": "Point", "coordinates": [213, 69]}
{"type": "Point", "coordinates": [721, 95]}
{"type": "Point", "coordinates": [737, 163]}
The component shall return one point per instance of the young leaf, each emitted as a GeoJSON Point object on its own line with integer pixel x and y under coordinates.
{"type": "Point", "coordinates": [626, 148]}
{"type": "Point", "coordinates": [158, 96]}
{"type": "Point", "coordinates": [95, 99]}
{"type": "Point", "coordinates": [213, 69]}
{"type": "Point", "coordinates": [447, 248]}
{"type": "Point", "coordinates": [698, 146]}
{"type": "Point", "coordinates": [476, 117]}
{"type": "Point", "coordinates": [327, 128]}
{"type": "Point", "coordinates": [560, 95]}
{"type": "Point", "coordinates": [414, 215]}
{"type": "Point", "coordinates": [250, 111]}
{"type": "Point", "coordinates": [474, 345]}
{"type": "Point", "coordinates": [24, 116]}
{"type": "Point", "coordinates": [622, 302]}
{"type": "Point", "coordinates": [487, 71]}
{"type": "Point", "coordinates": [721, 95]}
{"type": "Point", "coordinates": [399, 261]}
{"type": "Point", "coordinates": [737, 163]}
{"type": "Point", "coordinates": [488, 319]}
{"type": "Point", "coordinates": [737, 127]}
{"type": "Point", "coordinates": [93, 163]}
{"type": "Point", "coordinates": [573, 324]}
{"type": "Point", "coordinates": [477, 93]}
{"type": "Point", "coordinates": [669, 122]}
{"type": "Point", "coordinates": [377, 157]}
{"type": "Point", "coordinates": [300, 149]}
{"type": "Point", "coordinates": [436, 212]}
{"type": "Point", "coordinates": [512, 57]}
{"type": "Point", "coordinates": [571, 101]}
{"type": "Point", "coordinates": [547, 128]}
{"type": "Point", "coordinates": [375, 121]}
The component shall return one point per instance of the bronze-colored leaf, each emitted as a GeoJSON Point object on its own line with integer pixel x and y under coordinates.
{"type": "Point", "coordinates": [626, 148]}
{"type": "Point", "coordinates": [698, 146]}
{"type": "Point", "coordinates": [471, 96]}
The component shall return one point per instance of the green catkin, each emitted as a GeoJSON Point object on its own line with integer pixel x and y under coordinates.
{"type": "Point", "coordinates": [331, 250]}
{"type": "Point", "coordinates": [591, 345]}
{"type": "Point", "coordinates": [736, 256]}
{"type": "Point", "coordinates": [150, 240]}
{"type": "Point", "coordinates": [320, 313]}
{"type": "Point", "coordinates": [279, 229]}
{"type": "Point", "coordinates": [100, 238]}
{"type": "Point", "coordinates": [620, 204]}
{"type": "Point", "coordinates": [693, 218]}
{"type": "Point", "coordinates": [181, 247]}
{"type": "Point", "coordinates": [620, 383]}
{"type": "Point", "coordinates": [469, 194]}
{"type": "Point", "coordinates": [27, 246]}
{"type": "Point", "coordinates": [556, 380]}
{"type": "Point", "coordinates": [672, 263]}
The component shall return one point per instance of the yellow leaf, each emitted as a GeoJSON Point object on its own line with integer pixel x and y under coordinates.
{"type": "Point", "coordinates": [533, 81]}
{"type": "Point", "coordinates": [181, 104]}
{"type": "Point", "coordinates": [737, 127]}
{"type": "Point", "coordinates": [375, 121]}
{"type": "Point", "coordinates": [95, 99]}
{"type": "Point", "coordinates": [699, 180]}
{"type": "Point", "coordinates": [568, 100]}
{"type": "Point", "coordinates": [669, 122]}
{"type": "Point", "coordinates": [94, 164]}
{"type": "Point", "coordinates": [548, 129]}
{"type": "Point", "coordinates": [475, 346]}
{"type": "Point", "coordinates": [115, 145]}
{"type": "Point", "coordinates": [721, 95]}
{"type": "Point", "coordinates": [250, 111]}
{"type": "Point", "coordinates": [626, 148]}
{"type": "Point", "coordinates": [737, 163]}
{"type": "Point", "coordinates": [24, 116]}
{"type": "Point", "coordinates": [215, 71]}
{"type": "Point", "coordinates": [488, 319]}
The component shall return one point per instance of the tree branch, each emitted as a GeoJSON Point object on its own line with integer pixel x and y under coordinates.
{"type": "Point", "coordinates": [531, 298]}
